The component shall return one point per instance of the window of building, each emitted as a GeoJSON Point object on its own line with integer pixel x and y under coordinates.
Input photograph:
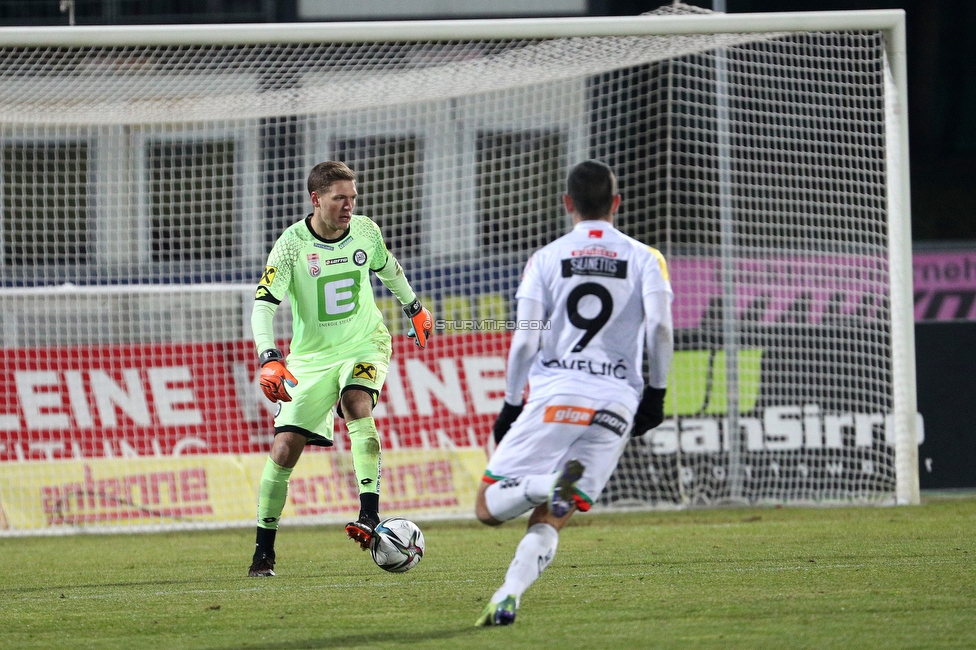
{"type": "Point", "coordinates": [519, 188]}
{"type": "Point", "coordinates": [45, 203]}
{"type": "Point", "coordinates": [192, 199]}
{"type": "Point", "coordinates": [389, 179]}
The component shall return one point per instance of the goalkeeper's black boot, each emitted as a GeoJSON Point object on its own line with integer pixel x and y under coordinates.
{"type": "Point", "coordinates": [262, 566]}
{"type": "Point", "coordinates": [361, 530]}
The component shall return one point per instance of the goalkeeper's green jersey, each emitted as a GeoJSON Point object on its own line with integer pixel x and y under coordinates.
{"type": "Point", "coordinates": [328, 285]}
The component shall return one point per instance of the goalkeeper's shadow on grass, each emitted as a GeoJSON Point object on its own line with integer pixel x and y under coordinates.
{"type": "Point", "coordinates": [407, 640]}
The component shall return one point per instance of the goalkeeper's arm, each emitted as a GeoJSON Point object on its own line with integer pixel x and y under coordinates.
{"type": "Point", "coordinates": [421, 322]}
{"type": "Point", "coordinates": [275, 377]}
{"type": "Point", "coordinates": [659, 338]}
{"type": "Point", "coordinates": [525, 345]}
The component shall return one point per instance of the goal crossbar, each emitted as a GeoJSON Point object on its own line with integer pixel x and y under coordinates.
{"type": "Point", "coordinates": [888, 20]}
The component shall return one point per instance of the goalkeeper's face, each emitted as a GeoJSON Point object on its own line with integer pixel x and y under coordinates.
{"type": "Point", "coordinates": [333, 208]}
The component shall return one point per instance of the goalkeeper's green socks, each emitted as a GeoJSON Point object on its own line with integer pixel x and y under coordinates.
{"type": "Point", "coordinates": [365, 443]}
{"type": "Point", "coordinates": [272, 493]}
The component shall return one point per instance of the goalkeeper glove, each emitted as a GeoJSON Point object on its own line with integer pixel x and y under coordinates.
{"type": "Point", "coordinates": [650, 411]}
{"type": "Point", "coordinates": [421, 322]}
{"type": "Point", "coordinates": [503, 422]}
{"type": "Point", "coordinates": [274, 376]}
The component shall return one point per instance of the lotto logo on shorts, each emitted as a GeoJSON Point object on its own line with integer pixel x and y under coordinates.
{"type": "Point", "coordinates": [364, 371]}
{"type": "Point", "coordinates": [568, 415]}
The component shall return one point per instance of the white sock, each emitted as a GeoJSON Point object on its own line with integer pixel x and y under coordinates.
{"type": "Point", "coordinates": [510, 497]}
{"type": "Point", "coordinates": [533, 555]}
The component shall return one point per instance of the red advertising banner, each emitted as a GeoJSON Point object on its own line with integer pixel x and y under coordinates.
{"type": "Point", "coordinates": [115, 401]}
{"type": "Point", "coordinates": [177, 399]}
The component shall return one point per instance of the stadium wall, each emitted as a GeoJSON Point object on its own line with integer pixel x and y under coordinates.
{"type": "Point", "coordinates": [945, 335]}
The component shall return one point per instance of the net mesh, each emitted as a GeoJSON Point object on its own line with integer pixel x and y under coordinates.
{"type": "Point", "coordinates": [142, 188]}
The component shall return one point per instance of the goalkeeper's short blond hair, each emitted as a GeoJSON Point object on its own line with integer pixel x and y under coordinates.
{"type": "Point", "coordinates": [324, 174]}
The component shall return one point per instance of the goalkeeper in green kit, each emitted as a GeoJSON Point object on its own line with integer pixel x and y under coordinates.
{"type": "Point", "coordinates": [340, 348]}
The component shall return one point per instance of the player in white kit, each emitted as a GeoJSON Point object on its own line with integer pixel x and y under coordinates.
{"type": "Point", "coordinates": [606, 298]}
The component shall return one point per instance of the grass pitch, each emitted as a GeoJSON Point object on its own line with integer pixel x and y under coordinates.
{"type": "Point", "coordinates": [743, 578]}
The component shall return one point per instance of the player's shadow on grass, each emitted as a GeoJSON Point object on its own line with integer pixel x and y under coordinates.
{"type": "Point", "coordinates": [406, 640]}
{"type": "Point", "coordinates": [74, 587]}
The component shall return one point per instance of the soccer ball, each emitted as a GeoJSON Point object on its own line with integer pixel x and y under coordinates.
{"type": "Point", "coordinates": [397, 545]}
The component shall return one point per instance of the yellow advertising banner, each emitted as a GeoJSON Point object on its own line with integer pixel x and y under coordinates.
{"type": "Point", "coordinates": [222, 489]}
{"type": "Point", "coordinates": [412, 481]}
{"type": "Point", "coordinates": [124, 492]}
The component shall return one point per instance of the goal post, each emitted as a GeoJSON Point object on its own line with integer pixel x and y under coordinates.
{"type": "Point", "coordinates": [146, 171]}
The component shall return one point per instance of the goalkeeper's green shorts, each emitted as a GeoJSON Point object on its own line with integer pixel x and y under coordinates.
{"type": "Point", "coordinates": [310, 411]}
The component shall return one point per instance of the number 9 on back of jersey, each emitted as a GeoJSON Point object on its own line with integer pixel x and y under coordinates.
{"type": "Point", "coordinates": [397, 545]}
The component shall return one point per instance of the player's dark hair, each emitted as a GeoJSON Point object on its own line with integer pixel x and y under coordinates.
{"type": "Point", "coordinates": [324, 174]}
{"type": "Point", "coordinates": [592, 185]}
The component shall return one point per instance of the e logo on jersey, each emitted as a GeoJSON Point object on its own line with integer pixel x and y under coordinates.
{"type": "Point", "coordinates": [314, 268]}
{"type": "Point", "coordinates": [337, 296]}
{"type": "Point", "coordinates": [364, 371]}
{"type": "Point", "coordinates": [359, 257]}
{"type": "Point", "coordinates": [267, 278]}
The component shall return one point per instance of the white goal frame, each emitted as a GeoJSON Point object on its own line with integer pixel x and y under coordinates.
{"type": "Point", "coordinates": [890, 22]}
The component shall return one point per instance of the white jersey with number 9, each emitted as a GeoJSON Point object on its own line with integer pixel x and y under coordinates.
{"type": "Point", "coordinates": [592, 283]}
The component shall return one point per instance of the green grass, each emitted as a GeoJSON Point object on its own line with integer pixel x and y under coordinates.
{"type": "Point", "coordinates": [738, 578]}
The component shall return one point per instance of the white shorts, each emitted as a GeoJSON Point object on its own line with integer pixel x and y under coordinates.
{"type": "Point", "coordinates": [553, 430]}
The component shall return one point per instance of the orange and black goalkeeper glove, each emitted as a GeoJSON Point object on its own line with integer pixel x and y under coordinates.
{"type": "Point", "coordinates": [421, 322]}
{"type": "Point", "coordinates": [275, 376]}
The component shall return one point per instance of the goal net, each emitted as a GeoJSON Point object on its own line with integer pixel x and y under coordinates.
{"type": "Point", "coordinates": [146, 173]}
